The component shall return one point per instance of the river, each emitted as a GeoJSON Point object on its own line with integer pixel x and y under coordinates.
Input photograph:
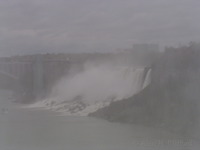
{"type": "Point", "coordinates": [34, 129]}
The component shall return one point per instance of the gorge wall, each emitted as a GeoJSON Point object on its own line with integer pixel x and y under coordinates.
{"type": "Point", "coordinates": [171, 101]}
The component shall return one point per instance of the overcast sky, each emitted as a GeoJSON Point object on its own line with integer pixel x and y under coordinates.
{"type": "Point", "coordinates": [33, 26]}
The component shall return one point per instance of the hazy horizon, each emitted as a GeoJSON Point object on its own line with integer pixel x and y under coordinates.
{"type": "Point", "coordinates": [46, 26]}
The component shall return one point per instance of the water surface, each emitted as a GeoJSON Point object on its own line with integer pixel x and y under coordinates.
{"type": "Point", "coordinates": [33, 129]}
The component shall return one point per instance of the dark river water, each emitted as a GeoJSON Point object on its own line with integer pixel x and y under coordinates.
{"type": "Point", "coordinates": [34, 129]}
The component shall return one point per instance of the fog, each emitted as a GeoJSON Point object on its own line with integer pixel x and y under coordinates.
{"type": "Point", "coordinates": [37, 26]}
{"type": "Point", "coordinates": [99, 83]}
{"type": "Point", "coordinates": [99, 74]}
{"type": "Point", "coordinates": [106, 78]}
{"type": "Point", "coordinates": [96, 83]}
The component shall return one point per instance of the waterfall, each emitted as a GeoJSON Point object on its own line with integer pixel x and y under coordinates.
{"type": "Point", "coordinates": [147, 79]}
{"type": "Point", "coordinates": [95, 88]}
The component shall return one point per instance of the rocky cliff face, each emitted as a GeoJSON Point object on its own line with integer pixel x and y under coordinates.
{"type": "Point", "coordinates": [171, 101]}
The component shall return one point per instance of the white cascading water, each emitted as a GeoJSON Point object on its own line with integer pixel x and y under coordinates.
{"type": "Point", "coordinates": [94, 88]}
{"type": "Point", "coordinates": [147, 79]}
